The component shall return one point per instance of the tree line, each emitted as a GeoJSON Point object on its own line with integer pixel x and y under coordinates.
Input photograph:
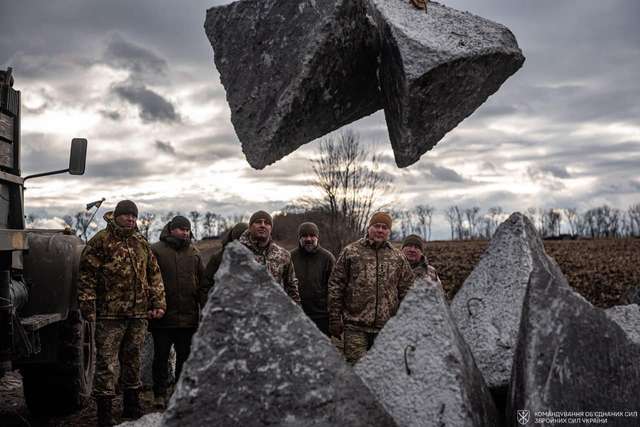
{"type": "Point", "coordinates": [351, 184]}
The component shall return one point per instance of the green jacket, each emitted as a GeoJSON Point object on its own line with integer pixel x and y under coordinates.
{"type": "Point", "coordinates": [313, 271]}
{"type": "Point", "coordinates": [119, 275]}
{"type": "Point", "coordinates": [367, 285]}
{"type": "Point", "coordinates": [182, 274]}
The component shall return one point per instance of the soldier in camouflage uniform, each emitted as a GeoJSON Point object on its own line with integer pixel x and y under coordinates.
{"type": "Point", "coordinates": [277, 259]}
{"type": "Point", "coordinates": [119, 287]}
{"type": "Point", "coordinates": [369, 281]}
{"type": "Point", "coordinates": [413, 249]}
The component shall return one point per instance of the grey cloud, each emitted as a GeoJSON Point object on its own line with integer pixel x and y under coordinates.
{"type": "Point", "coordinates": [441, 173]}
{"type": "Point", "coordinates": [139, 60]}
{"type": "Point", "coordinates": [111, 114]}
{"type": "Point", "coordinates": [165, 147]}
{"type": "Point", "coordinates": [119, 169]}
{"type": "Point", "coordinates": [153, 107]}
{"type": "Point", "coordinates": [542, 172]}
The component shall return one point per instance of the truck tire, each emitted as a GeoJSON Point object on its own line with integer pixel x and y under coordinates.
{"type": "Point", "coordinates": [63, 387]}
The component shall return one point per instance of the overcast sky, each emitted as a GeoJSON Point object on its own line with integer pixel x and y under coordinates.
{"type": "Point", "coordinates": [137, 79]}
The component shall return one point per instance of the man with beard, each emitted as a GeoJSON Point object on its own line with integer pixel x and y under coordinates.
{"type": "Point", "coordinates": [413, 249]}
{"type": "Point", "coordinates": [277, 259]}
{"type": "Point", "coordinates": [368, 283]}
{"type": "Point", "coordinates": [182, 273]}
{"type": "Point", "coordinates": [313, 265]}
{"type": "Point", "coordinates": [119, 287]}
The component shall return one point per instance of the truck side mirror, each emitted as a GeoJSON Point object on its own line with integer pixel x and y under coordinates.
{"type": "Point", "coordinates": [78, 157]}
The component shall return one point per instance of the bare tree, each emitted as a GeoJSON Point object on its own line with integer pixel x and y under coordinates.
{"type": "Point", "coordinates": [471, 215]}
{"type": "Point", "coordinates": [351, 182]}
{"type": "Point", "coordinates": [495, 217]}
{"type": "Point", "coordinates": [634, 219]}
{"type": "Point", "coordinates": [146, 221]}
{"type": "Point", "coordinates": [195, 222]}
{"type": "Point", "coordinates": [451, 216]}
{"type": "Point", "coordinates": [572, 217]}
{"type": "Point", "coordinates": [82, 220]}
{"type": "Point", "coordinates": [208, 222]}
{"type": "Point", "coordinates": [425, 216]}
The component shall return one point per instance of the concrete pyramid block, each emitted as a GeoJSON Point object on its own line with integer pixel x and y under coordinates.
{"type": "Point", "coordinates": [436, 69]}
{"type": "Point", "coordinates": [293, 70]}
{"type": "Point", "coordinates": [628, 318]}
{"type": "Point", "coordinates": [422, 370]}
{"type": "Point", "coordinates": [488, 306]}
{"type": "Point", "coordinates": [572, 356]}
{"type": "Point", "coordinates": [257, 360]}
{"type": "Point", "coordinates": [297, 70]}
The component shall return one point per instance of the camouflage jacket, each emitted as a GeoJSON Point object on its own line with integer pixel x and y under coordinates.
{"type": "Point", "coordinates": [278, 262]}
{"type": "Point", "coordinates": [367, 285]}
{"type": "Point", "coordinates": [422, 269]}
{"type": "Point", "coordinates": [119, 275]}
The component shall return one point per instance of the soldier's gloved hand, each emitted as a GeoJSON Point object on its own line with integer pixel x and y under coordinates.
{"type": "Point", "coordinates": [156, 313]}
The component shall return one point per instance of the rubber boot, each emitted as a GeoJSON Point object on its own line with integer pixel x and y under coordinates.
{"type": "Point", "coordinates": [132, 409]}
{"type": "Point", "coordinates": [105, 411]}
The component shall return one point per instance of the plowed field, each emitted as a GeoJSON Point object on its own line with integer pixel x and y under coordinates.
{"type": "Point", "coordinates": [603, 271]}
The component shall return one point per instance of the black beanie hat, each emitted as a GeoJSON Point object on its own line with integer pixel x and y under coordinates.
{"type": "Point", "coordinates": [415, 240]}
{"type": "Point", "coordinates": [308, 229]}
{"type": "Point", "coordinates": [179, 221]}
{"type": "Point", "coordinates": [125, 207]}
{"type": "Point", "coordinates": [261, 215]}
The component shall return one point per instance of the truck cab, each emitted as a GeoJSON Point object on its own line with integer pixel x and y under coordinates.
{"type": "Point", "coordinates": [41, 330]}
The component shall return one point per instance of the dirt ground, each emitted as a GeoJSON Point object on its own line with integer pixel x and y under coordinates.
{"type": "Point", "coordinates": [603, 271]}
{"type": "Point", "coordinates": [14, 413]}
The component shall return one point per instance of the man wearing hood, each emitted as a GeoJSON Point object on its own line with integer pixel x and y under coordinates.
{"type": "Point", "coordinates": [119, 287]}
{"type": "Point", "coordinates": [216, 259]}
{"type": "Point", "coordinates": [182, 274]}
{"type": "Point", "coordinates": [277, 259]}
{"type": "Point", "coordinates": [313, 265]}
{"type": "Point", "coordinates": [369, 281]}
{"type": "Point", "coordinates": [413, 250]}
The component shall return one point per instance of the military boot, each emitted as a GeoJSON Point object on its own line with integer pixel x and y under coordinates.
{"type": "Point", "coordinates": [160, 400]}
{"type": "Point", "coordinates": [132, 409]}
{"type": "Point", "coordinates": [105, 411]}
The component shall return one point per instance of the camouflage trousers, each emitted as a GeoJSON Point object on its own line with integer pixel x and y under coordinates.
{"type": "Point", "coordinates": [356, 343]}
{"type": "Point", "coordinates": [118, 337]}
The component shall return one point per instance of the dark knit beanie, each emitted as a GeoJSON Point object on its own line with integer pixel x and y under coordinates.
{"type": "Point", "coordinates": [179, 221]}
{"type": "Point", "coordinates": [380, 218]}
{"type": "Point", "coordinates": [261, 215]}
{"type": "Point", "coordinates": [237, 230]}
{"type": "Point", "coordinates": [308, 229]}
{"type": "Point", "coordinates": [415, 240]}
{"type": "Point", "coordinates": [125, 207]}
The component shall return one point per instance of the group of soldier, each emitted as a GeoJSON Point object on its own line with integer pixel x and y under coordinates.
{"type": "Point", "coordinates": [128, 286]}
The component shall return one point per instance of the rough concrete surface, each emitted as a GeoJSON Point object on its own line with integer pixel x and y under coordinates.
{"type": "Point", "coordinates": [628, 318]}
{"type": "Point", "coordinates": [153, 419]}
{"type": "Point", "coordinates": [258, 360]}
{"type": "Point", "coordinates": [488, 306]}
{"type": "Point", "coordinates": [570, 355]}
{"type": "Point", "coordinates": [436, 69]}
{"type": "Point", "coordinates": [295, 71]}
{"type": "Point", "coordinates": [422, 370]}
